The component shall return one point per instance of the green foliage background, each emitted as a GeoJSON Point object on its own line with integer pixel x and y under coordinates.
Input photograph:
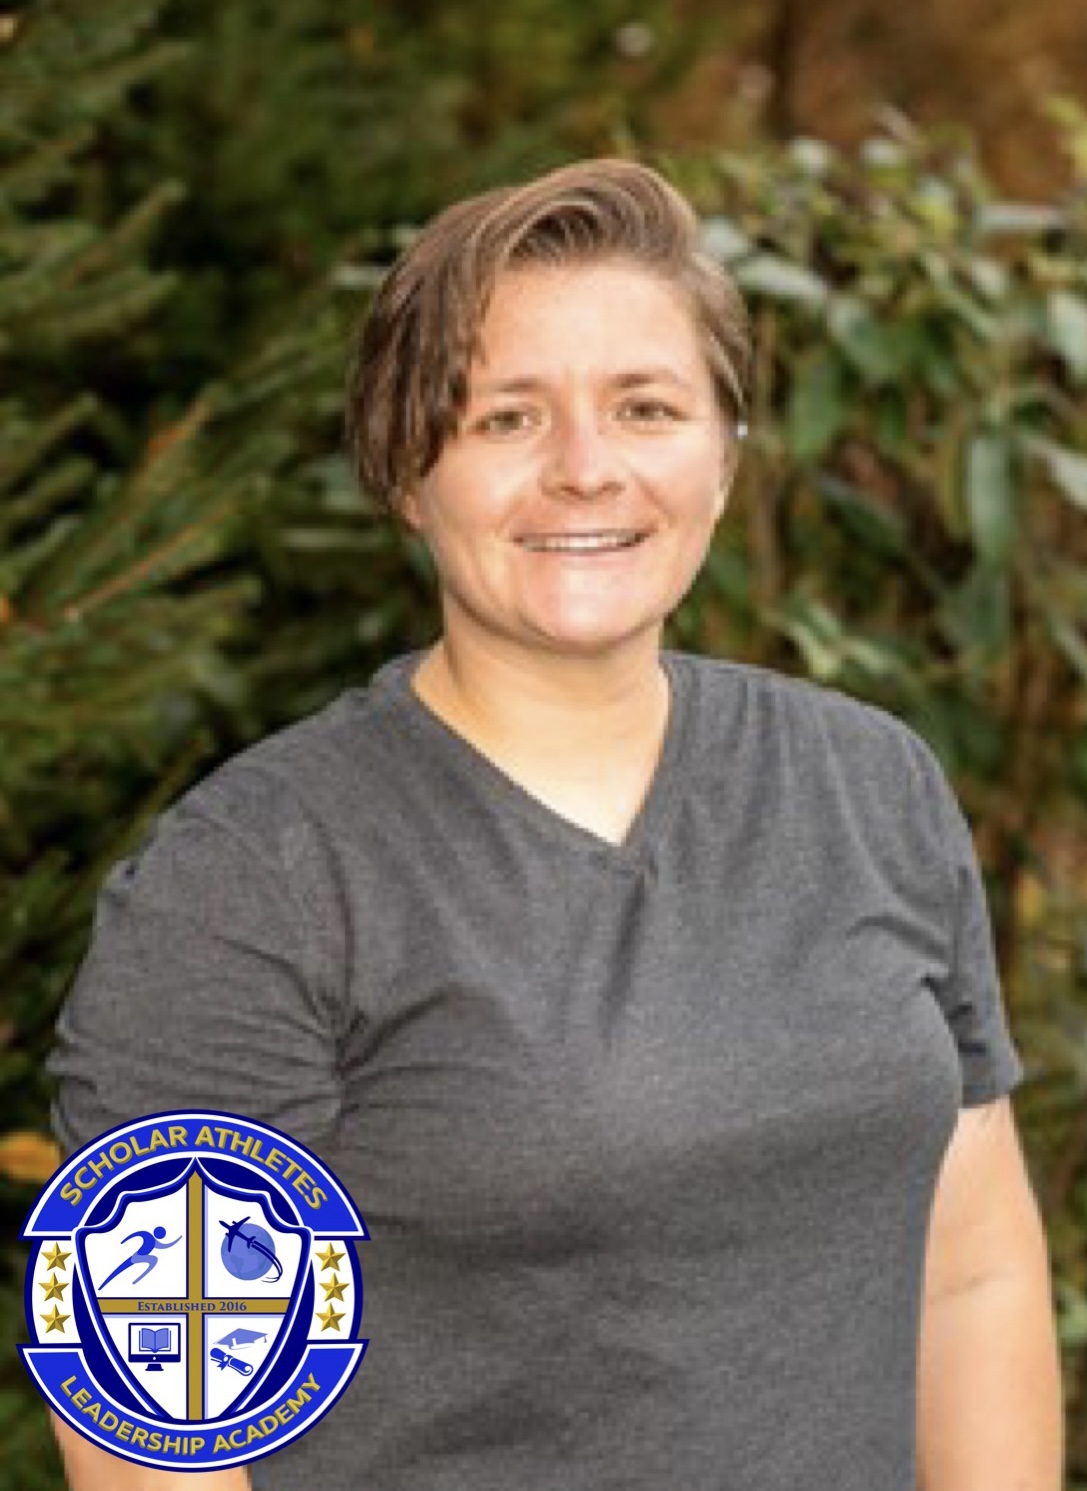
{"type": "Point", "coordinates": [194, 205]}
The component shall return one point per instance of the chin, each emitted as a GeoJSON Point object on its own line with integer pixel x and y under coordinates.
{"type": "Point", "coordinates": [600, 642]}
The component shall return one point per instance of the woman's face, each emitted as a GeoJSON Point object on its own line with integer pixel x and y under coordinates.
{"type": "Point", "coordinates": [591, 420]}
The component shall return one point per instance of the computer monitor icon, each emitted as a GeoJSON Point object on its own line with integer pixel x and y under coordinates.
{"type": "Point", "coordinates": [154, 1344]}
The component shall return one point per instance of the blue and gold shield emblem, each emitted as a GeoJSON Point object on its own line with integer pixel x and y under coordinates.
{"type": "Point", "coordinates": [217, 1276]}
{"type": "Point", "coordinates": [194, 1294]}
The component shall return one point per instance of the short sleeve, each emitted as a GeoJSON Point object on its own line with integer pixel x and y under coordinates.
{"type": "Point", "coordinates": [971, 995]}
{"type": "Point", "coordinates": [202, 985]}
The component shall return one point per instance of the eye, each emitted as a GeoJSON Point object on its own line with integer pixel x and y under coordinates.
{"type": "Point", "coordinates": [504, 422]}
{"type": "Point", "coordinates": [651, 411]}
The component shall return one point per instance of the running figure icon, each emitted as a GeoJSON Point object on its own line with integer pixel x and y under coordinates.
{"type": "Point", "coordinates": [145, 1253]}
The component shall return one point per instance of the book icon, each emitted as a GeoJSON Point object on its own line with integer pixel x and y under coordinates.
{"type": "Point", "coordinates": [154, 1344]}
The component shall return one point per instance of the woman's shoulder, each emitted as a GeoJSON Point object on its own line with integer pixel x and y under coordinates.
{"type": "Point", "coordinates": [817, 746]}
{"type": "Point", "coordinates": [797, 700]}
{"type": "Point", "coordinates": [316, 757]}
{"type": "Point", "coordinates": [285, 793]}
{"type": "Point", "coordinates": [837, 767]}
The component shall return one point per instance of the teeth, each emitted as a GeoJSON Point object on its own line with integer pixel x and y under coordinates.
{"type": "Point", "coordinates": [583, 542]}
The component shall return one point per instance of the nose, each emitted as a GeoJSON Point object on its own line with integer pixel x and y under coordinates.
{"type": "Point", "coordinates": [581, 461]}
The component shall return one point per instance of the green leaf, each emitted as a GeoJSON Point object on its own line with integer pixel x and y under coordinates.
{"type": "Point", "coordinates": [871, 346]}
{"type": "Point", "coordinates": [814, 157]}
{"type": "Point", "coordinates": [1071, 643]}
{"type": "Point", "coordinates": [1072, 1317]}
{"type": "Point", "coordinates": [871, 523]}
{"type": "Point", "coordinates": [976, 615]}
{"type": "Point", "coordinates": [729, 575]}
{"type": "Point", "coordinates": [883, 154]}
{"type": "Point", "coordinates": [982, 322]}
{"type": "Point", "coordinates": [778, 279]}
{"type": "Point", "coordinates": [876, 659]}
{"type": "Point", "coordinates": [817, 408]}
{"type": "Point", "coordinates": [940, 365]}
{"type": "Point", "coordinates": [1066, 330]}
{"type": "Point", "coordinates": [990, 277]}
{"type": "Point", "coordinates": [934, 202]}
{"type": "Point", "coordinates": [890, 423]}
{"type": "Point", "coordinates": [990, 495]}
{"type": "Point", "coordinates": [815, 631]}
{"type": "Point", "coordinates": [722, 240]}
{"type": "Point", "coordinates": [947, 480]}
{"type": "Point", "coordinates": [997, 218]}
{"type": "Point", "coordinates": [1067, 469]}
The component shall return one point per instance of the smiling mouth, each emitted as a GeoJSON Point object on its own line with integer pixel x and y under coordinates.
{"type": "Point", "coordinates": [581, 543]}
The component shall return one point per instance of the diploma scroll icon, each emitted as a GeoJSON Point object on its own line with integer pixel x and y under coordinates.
{"type": "Point", "coordinates": [222, 1359]}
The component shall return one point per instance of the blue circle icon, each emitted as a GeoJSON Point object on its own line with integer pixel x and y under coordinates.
{"type": "Point", "coordinates": [248, 1252]}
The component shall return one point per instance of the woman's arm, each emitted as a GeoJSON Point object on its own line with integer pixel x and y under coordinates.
{"type": "Point", "coordinates": [88, 1468]}
{"type": "Point", "coordinates": [990, 1412]}
{"type": "Point", "coordinates": [205, 980]}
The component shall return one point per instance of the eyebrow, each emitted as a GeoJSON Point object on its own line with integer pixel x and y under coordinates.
{"type": "Point", "coordinates": [634, 378]}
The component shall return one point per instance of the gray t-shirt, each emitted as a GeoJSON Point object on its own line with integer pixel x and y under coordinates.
{"type": "Point", "coordinates": [646, 1135]}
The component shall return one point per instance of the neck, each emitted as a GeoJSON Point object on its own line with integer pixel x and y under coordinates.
{"type": "Point", "coordinates": [564, 715]}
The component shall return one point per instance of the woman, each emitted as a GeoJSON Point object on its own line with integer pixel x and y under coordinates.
{"type": "Point", "coordinates": [645, 1003]}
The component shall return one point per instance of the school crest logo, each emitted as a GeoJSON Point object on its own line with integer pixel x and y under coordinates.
{"type": "Point", "coordinates": [193, 1293]}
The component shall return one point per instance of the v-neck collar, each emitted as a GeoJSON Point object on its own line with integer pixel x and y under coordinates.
{"type": "Point", "coordinates": [637, 846]}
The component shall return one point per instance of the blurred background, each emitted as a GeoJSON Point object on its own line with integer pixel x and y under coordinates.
{"type": "Point", "coordinates": [196, 201]}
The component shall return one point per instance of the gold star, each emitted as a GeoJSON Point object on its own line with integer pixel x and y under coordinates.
{"type": "Point", "coordinates": [329, 1320]}
{"type": "Point", "coordinates": [55, 1321]}
{"type": "Point", "coordinates": [335, 1289]}
{"type": "Point", "coordinates": [54, 1258]}
{"type": "Point", "coordinates": [329, 1258]}
{"type": "Point", "coordinates": [55, 1288]}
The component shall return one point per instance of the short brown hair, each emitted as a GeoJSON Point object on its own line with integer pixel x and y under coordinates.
{"type": "Point", "coordinates": [408, 383]}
